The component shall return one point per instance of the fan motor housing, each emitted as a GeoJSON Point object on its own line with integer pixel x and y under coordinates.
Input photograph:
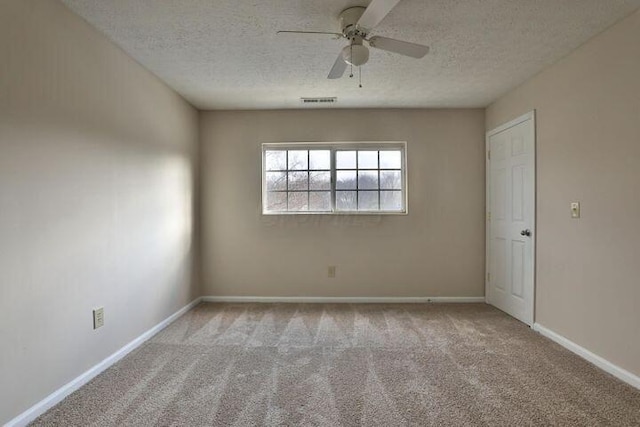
{"type": "Point", "coordinates": [348, 20]}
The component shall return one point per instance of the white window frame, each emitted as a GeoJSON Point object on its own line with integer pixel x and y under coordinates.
{"type": "Point", "coordinates": [338, 146]}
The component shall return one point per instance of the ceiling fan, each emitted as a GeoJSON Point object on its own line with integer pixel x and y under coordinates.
{"type": "Point", "coordinates": [357, 23]}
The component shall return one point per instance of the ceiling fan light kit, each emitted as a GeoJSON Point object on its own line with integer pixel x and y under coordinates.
{"type": "Point", "coordinates": [356, 23]}
{"type": "Point", "coordinates": [355, 54]}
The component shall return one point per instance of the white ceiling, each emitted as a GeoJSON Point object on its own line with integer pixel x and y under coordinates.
{"type": "Point", "coordinates": [225, 54]}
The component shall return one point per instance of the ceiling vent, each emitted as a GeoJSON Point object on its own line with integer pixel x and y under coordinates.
{"type": "Point", "coordinates": [319, 101]}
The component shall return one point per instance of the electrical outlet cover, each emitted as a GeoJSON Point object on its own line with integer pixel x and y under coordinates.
{"type": "Point", "coordinates": [331, 271]}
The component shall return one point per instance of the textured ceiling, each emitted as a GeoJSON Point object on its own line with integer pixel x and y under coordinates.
{"type": "Point", "coordinates": [225, 54]}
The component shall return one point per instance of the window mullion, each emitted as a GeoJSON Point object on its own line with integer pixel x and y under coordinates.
{"type": "Point", "coordinates": [308, 180]}
{"type": "Point", "coordinates": [332, 166]}
{"type": "Point", "coordinates": [357, 183]}
{"type": "Point", "coordinates": [379, 205]}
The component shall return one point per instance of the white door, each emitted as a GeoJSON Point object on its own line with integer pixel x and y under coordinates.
{"type": "Point", "coordinates": [511, 217]}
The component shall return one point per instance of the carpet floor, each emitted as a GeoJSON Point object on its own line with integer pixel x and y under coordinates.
{"type": "Point", "coordinates": [349, 365]}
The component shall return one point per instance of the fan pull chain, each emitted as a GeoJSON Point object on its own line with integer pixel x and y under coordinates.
{"type": "Point", "coordinates": [360, 76]}
{"type": "Point", "coordinates": [351, 53]}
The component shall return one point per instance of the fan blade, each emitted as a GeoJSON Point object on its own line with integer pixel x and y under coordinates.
{"type": "Point", "coordinates": [397, 46]}
{"type": "Point", "coordinates": [338, 68]}
{"type": "Point", "coordinates": [375, 12]}
{"type": "Point", "coordinates": [310, 32]}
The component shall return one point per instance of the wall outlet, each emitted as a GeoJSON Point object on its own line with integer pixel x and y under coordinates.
{"type": "Point", "coordinates": [331, 271]}
{"type": "Point", "coordinates": [575, 210]}
{"type": "Point", "coordinates": [98, 317]}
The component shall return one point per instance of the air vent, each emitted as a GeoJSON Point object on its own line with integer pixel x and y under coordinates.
{"type": "Point", "coordinates": [319, 101]}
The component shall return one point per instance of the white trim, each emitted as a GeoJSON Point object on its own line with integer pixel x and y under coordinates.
{"type": "Point", "coordinates": [353, 300]}
{"type": "Point", "coordinates": [487, 223]}
{"type": "Point", "coordinates": [599, 361]}
{"type": "Point", "coordinates": [57, 396]}
{"type": "Point", "coordinates": [523, 118]}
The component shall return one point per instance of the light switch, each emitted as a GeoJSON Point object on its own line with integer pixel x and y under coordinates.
{"type": "Point", "coordinates": [575, 210]}
{"type": "Point", "coordinates": [98, 317]}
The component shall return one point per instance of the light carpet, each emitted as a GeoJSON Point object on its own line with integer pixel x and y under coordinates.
{"type": "Point", "coordinates": [349, 365]}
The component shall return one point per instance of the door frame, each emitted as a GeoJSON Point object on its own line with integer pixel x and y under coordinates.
{"type": "Point", "coordinates": [528, 116]}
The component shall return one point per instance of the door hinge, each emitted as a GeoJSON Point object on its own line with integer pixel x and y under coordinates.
{"type": "Point", "coordinates": [489, 154]}
{"type": "Point", "coordinates": [488, 277]}
{"type": "Point", "coordinates": [488, 216]}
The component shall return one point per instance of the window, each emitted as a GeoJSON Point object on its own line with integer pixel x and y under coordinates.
{"type": "Point", "coordinates": [334, 178]}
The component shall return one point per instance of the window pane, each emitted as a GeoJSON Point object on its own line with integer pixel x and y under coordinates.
{"type": "Point", "coordinates": [346, 180]}
{"type": "Point", "coordinates": [390, 159]}
{"type": "Point", "coordinates": [367, 200]}
{"type": "Point", "coordinates": [320, 180]}
{"type": "Point", "coordinates": [346, 200]}
{"type": "Point", "coordinates": [345, 159]}
{"type": "Point", "coordinates": [367, 160]}
{"type": "Point", "coordinates": [298, 201]}
{"type": "Point", "coordinates": [320, 159]}
{"type": "Point", "coordinates": [320, 201]}
{"type": "Point", "coordinates": [276, 202]}
{"type": "Point", "coordinates": [391, 200]}
{"type": "Point", "coordinates": [391, 180]}
{"type": "Point", "coordinates": [276, 181]}
{"type": "Point", "coordinates": [276, 160]}
{"type": "Point", "coordinates": [367, 180]}
{"type": "Point", "coordinates": [298, 159]}
{"type": "Point", "coordinates": [298, 181]}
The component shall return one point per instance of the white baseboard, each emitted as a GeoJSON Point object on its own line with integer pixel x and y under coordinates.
{"type": "Point", "coordinates": [600, 362]}
{"type": "Point", "coordinates": [358, 300]}
{"type": "Point", "coordinates": [57, 396]}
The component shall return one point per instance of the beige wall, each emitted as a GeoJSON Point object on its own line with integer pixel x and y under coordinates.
{"type": "Point", "coordinates": [97, 201]}
{"type": "Point", "coordinates": [436, 250]}
{"type": "Point", "coordinates": [588, 124]}
{"type": "Point", "coordinates": [96, 194]}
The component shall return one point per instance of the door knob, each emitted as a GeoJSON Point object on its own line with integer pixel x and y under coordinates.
{"type": "Point", "coordinates": [526, 232]}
